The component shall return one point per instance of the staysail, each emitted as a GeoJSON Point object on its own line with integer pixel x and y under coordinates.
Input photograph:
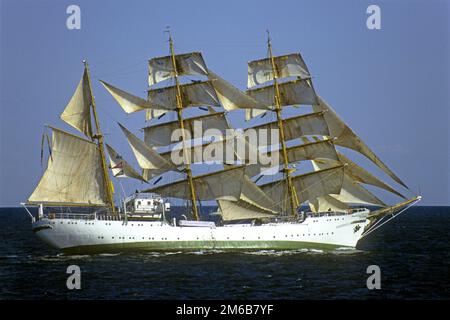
{"type": "Point", "coordinates": [119, 167]}
{"type": "Point", "coordinates": [147, 158]}
{"type": "Point", "coordinates": [347, 138]}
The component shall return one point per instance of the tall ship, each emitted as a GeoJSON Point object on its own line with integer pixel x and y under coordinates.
{"type": "Point", "coordinates": [280, 181]}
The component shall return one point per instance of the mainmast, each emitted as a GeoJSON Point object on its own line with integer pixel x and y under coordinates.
{"type": "Point", "coordinates": [286, 170]}
{"type": "Point", "coordinates": [107, 182]}
{"type": "Point", "coordinates": [181, 123]}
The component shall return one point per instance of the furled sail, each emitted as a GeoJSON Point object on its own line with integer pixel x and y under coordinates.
{"type": "Point", "coordinates": [146, 157]}
{"type": "Point", "coordinates": [129, 102]}
{"type": "Point", "coordinates": [74, 173]}
{"type": "Point", "coordinates": [119, 167]}
{"type": "Point", "coordinates": [77, 112]}
{"type": "Point", "coordinates": [295, 127]}
{"type": "Point", "coordinates": [231, 98]}
{"type": "Point", "coordinates": [290, 65]}
{"type": "Point", "coordinates": [161, 68]}
{"type": "Point", "coordinates": [193, 94]}
{"type": "Point", "coordinates": [161, 134]}
{"type": "Point", "coordinates": [307, 186]}
{"type": "Point", "coordinates": [347, 138]}
{"type": "Point", "coordinates": [224, 184]}
{"type": "Point", "coordinates": [293, 92]}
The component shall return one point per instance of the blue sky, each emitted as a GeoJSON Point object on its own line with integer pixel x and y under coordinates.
{"type": "Point", "coordinates": [390, 85]}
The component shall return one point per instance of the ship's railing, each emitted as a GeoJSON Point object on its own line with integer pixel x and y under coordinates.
{"type": "Point", "coordinates": [68, 215]}
{"type": "Point", "coordinates": [334, 213]}
{"type": "Point", "coordinates": [84, 216]}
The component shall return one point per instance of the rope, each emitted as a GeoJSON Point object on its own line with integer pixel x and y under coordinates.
{"type": "Point", "coordinates": [375, 227]}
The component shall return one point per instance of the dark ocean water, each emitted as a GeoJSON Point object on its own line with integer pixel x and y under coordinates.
{"type": "Point", "coordinates": [413, 252]}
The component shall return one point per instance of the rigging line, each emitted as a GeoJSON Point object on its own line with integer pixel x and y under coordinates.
{"type": "Point", "coordinates": [392, 217]}
{"type": "Point", "coordinates": [123, 69]}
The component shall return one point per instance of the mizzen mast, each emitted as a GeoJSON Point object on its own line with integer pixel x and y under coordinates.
{"type": "Point", "coordinates": [99, 137]}
{"type": "Point", "coordinates": [181, 123]}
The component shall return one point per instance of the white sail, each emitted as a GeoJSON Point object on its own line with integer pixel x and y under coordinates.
{"type": "Point", "coordinates": [230, 150]}
{"type": "Point", "coordinates": [154, 114]}
{"type": "Point", "coordinates": [231, 98]}
{"type": "Point", "coordinates": [119, 167]}
{"type": "Point", "coordinates": [295, 127]}
{"type": "Point", "coordinates": [327, 203]}
{"type": "Point", "coordinates": [347, 138]}
{"type": "Point", "coordinates": [129, 102]}
{"type": "Point", "coordinates": [193, 94]}
{"type": "Point", "coordinates": [225, 184]}
{"type": "Point", "coordinates": [239, 210]}
{"type": "Point", "coordinates": [361, 175]}
{"type": "Point", "coordinates": [296, 92]}
{"type": "Point", "coordinates": [307, 186]}
{"type": "Point", "coordinates": [290, 65]}
{"type": "Point", "coordinates": [161, 134]}
{"type": "Point", "coordinates": [308, 151]}
{"type": "Point", "coordinates": [161, 68]}
{"type": "Point", "coordinates": [74, 173]}
{"type": "Point", "coordinates": [146, 157]}
{"type": "Point", "coordinates": [351, 192]}
{"type": "Point", "coordinates": [78, 111]}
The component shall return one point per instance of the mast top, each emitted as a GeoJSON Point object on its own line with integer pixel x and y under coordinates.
{"type": "Point", "coordinates": [170, 34]}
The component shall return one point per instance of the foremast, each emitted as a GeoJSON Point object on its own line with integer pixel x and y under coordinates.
{"type": "Point", "coordinates": [179, 110]}
{"type": "Point", "coordinates": [99, 137]}
{"type": "Point", "coordinates": [292, 195]}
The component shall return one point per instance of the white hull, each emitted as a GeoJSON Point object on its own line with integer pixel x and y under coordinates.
{"type": "Point", "coordinates": [88, 236]}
